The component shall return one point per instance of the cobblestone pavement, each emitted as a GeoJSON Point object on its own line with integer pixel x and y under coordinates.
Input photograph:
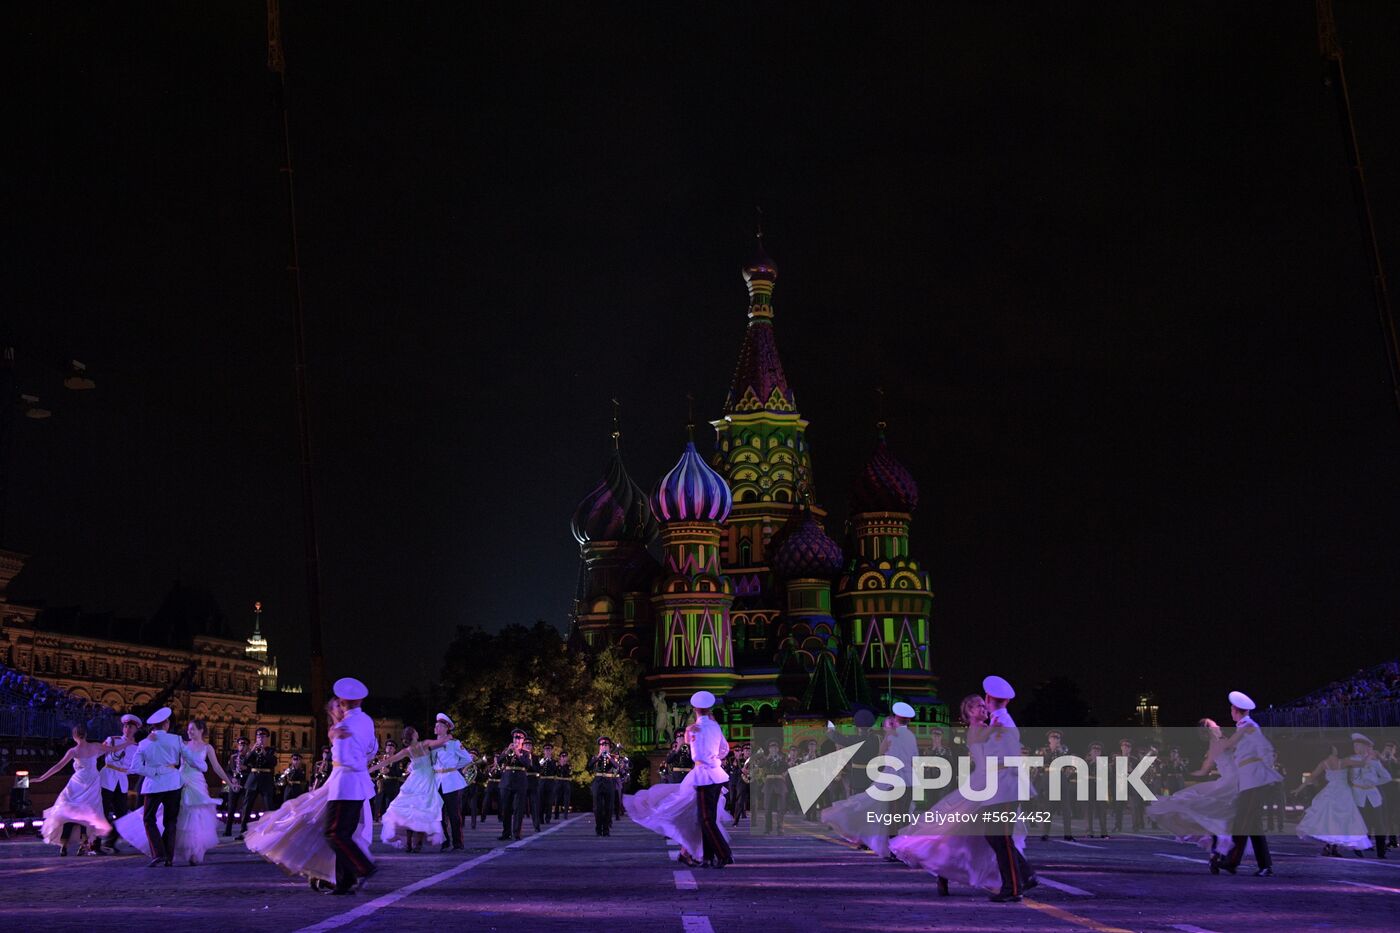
{"type": "Point", "coordinates": [569, 879]}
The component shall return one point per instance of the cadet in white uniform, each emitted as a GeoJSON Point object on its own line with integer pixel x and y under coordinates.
{"type": "Point", "coordinates": [350, 786]}
{"type": "Point", "coordinates": [1366, 782]}
{"type": "Point", "coordinates": [708, 749]}
{"type": "Point", "coordinates": [448, 762]}
{"type": "Point", "coordinates": [1004, 741]}
{"type": "Point", "coordinates": [1254, 761]}
{"type": "Point", "coordinates": [158, 762]}
{"type": "Point", "coordinates": [115, 769]}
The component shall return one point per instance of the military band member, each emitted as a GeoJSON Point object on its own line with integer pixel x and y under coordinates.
{"type": "Point", "coordinates": [1094, 808]}
{"type": "Point", "coordinates": [605, 768]}
{"type": "Point", "coordinates": [1054, 748]}
{"type": "Point", "coordinates": [474, 795]}
{"type": "Point", "coordinates": [743, 769]}
{"type": "Point", "coordinates": [773, 780]}
{"type": "Point", "coordinates": [1390, 791]}
{"type": "Point", "coordinates": [237, 769]}
{"type": "Point", "coordinates": [1125, 762]}
{"type": "Point", "coordinates": [293, 779]}
{"type": "Point", "coordinates": [532, 785]}
{"type": "Point", "coordinates": [936, 750]}
{"type": "Point", "coordinates": [261, 764]}
{"type": "Point", "coordinates": [678, 761]}
{"type": "Point", "coordinates": [515, 764]}
{"type": "Point", "coordinates": [114, 779]}
{"type": "Point", "coordinates": [549, 782]}
{"type": "Point", "coordinates": [565, 791]}
{"type": "Point", "coordinates": [448, 762]}
{"type": "Point", "coordinates": [322, 771]}
{"type": "Point", "coordinates": [492, 803]}
{"type": "Point", "coordinates": [390, 779]}
{"type": "Point", "coordinates": [624, 774]}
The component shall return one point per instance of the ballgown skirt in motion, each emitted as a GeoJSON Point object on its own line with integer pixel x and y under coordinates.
{"type": "Point", "coordinates": [417, 808]}
{"type": "Point", "coordinates": [671, 810]}
{"type": "Point", "coordinates": [949, 851]}
{"type": "Point", "coordinates": [1198, 812]}
{"type": "Point", "coordinates": [293, 837]}
{"type": "Point", "coordinates": [196, 828]}
{"type": "Point", "coordinates": [79, 802]}
{"type": "Point", "coordinates": [855, 820]}
{"type": "Point", "coordinates": [1333, 818]}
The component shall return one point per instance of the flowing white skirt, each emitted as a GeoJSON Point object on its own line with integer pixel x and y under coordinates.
{"type": "Point", "coordinates": [417, 809]}
{"type": "Point", "coordinates": [957, 856]}
{"type": "Point", "coordinates": [196, 828]}
{"type": "Point", "coordinates": [293, 837]}
{"type": "Point", "coordinates": [856, 819]}
{"type": "Point", "coordinates": [1333, 818]}
{"type": "Point", "coordinates": [672, 810]}
{"type": "Point", "coordinates": [80, 802]}
{"type": "Point", "coordinates": [1198, 812]}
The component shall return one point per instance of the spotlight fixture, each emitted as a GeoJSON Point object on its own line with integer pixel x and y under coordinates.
{"type": "Point", "coordinates": [77, 378]}
{"type": "Point", "coordinates": [32, 408]}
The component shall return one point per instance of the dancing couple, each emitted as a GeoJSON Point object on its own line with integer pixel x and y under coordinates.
{"type": "Point", "coordinates": [688, 813]}
{"type": "Point", "coordinates": [324, 835]}
{"type": "Point", "coordinates": [994, 861]}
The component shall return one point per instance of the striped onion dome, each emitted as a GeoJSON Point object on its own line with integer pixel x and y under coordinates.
{"type": "Point", "coordinates": [616, 509]}
{"type": "Point", "coordinates": [808, 553]}
{"type": "Point", "coordinates": [883, 484]}
{"type": "Point", "coordinates": [691, 492]}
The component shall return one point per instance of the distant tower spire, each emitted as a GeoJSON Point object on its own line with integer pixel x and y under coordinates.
{"type": "Point", "coordinates": [617, 425]}
{"type": "Point", "coordinates": [880, 423]}
{"type": "Point", "coordinates": [690, 416]}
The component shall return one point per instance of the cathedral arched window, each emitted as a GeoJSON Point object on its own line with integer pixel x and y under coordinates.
{"type": "Point", "coordinates": [745, 553]}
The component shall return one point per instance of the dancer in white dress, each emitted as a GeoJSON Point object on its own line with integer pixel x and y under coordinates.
{"type": "Point", "coordinates": [1333, 818]}
{"type": "Point", "coordinates": [80, 802]}
{"type": "Point", "coordinates": [293, 837]}
{"type": "Point", "coordinates": [197, 825]}
{"type": "Point", "coordinates": [1202, 813]}
{"type": "Point", "coordinates": [670, 811]}
{"type": "Point", "coordinates": [415, 815]}
{"type": "Point", "coordinates": [859, 817]}
{"type": "Point", "coordinates": [957, 855]}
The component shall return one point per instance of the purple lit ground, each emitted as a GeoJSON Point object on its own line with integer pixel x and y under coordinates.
{"type": "Point", "coordinates": [571, 880]}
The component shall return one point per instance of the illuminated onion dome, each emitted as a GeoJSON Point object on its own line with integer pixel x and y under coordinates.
{"type": "Point", "coordinates": [616, 509]}
{"type": "Point", "coordinates": [761, 266]}
{"type": "Point", "coordinates": [692, 492]}
{"type": "Point", "coordinates": [808, 553]}
{"type": "Point", "coordinates": [883, 484]}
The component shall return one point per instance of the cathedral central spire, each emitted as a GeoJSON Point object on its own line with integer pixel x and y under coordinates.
{"type": "Point", "coordinates": [759, 381]}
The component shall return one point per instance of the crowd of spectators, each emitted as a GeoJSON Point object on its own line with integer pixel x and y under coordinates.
{"type": "Point", "coordinates": [1379, 684]}
{"type": "Point", "coordinates": [22, 691]}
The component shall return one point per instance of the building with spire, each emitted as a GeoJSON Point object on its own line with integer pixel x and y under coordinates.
{"type": "Point", "coordinates": [748, 596]}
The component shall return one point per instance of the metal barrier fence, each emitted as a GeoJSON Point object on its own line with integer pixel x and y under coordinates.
{"type": "Point", "coordinates": [1350, 716]}
{"type": "Point", "coordinates": [25, 722]}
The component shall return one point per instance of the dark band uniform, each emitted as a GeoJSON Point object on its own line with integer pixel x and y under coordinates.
{"type": "Point", "coordinates": [606, 770]}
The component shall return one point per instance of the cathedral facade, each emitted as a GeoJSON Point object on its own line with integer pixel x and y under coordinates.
{"type": "Point", "coordinates": [726, 579]}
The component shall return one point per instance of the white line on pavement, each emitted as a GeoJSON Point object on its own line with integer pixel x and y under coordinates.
{"type": "Point", "coordinates": [694, 923]}
{"type": "Point", "coordinates": [685, 881]}
{"type": "Point", "coordinates": [1071, 842]}
{"type": "Point", "coordinates": [1182, 858]}
{"type": "Point", "coordinates": [1373, 887]}
{"type": "Point", "coordinates": [1061, 886]}
{"type": "Point", "coordinates": [393, 897]}
{"type": "Point", "coordinates": [1190, 928]}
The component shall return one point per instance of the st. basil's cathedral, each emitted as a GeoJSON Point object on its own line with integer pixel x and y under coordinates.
{"type": "Point", "coordinates": [748, 596]}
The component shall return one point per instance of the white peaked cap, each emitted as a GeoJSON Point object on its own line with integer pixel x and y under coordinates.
{"type": "Point", "coordinates": [903, 710]}
{"type": "Point", "coordinates": [702, 699]}
{"type": "Point", "coordinates": [994, 686]}
{"type": "Point", "coordinates": [443, 717]}
{"type": "Point", "coordinates": [348, 688]}
{"type": "Point", "coordinates": [128, 717]}
{"type": "Point", "coordinates": [159, 716]}
{"type": "Point", "coordinates": [1358, 737]}
{"type": "Point", "coordinates": [1240, 701]}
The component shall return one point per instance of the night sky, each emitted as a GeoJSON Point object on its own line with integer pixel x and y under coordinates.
{"type": "Point", "coordinates": [1105, 265]}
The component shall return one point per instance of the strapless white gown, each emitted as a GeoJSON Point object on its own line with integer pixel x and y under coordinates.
{"type": "Point", "coordinates": [197, 826]}
{"type": "Point", "coordinates": [1201, 810]}
{"type": "Point", "coordinates": [1333, 818]}
{"type": "Point", "coordinates": [671, 811]}
{"type": "Point", "coordinates": [417, 808]}
{"type": "Point", "coordinates": [957, 855]}
{"type": "Point", "coordinates": [80, 802]}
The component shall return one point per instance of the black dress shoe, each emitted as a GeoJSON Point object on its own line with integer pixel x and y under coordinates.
{"type": "Point", "coordinates": [1031, 882]}
{"type": "Point", "coordinates": [1264, 873]}
{"type": "Point", "coordinates": [154, 862]}
{"type": "Point", "coordinates": [1214, 864]}
{"type": "Point", "coordinates": [942, 886]}
{"type": "Point", "coordinates": [168, 863]}
{"type": "Point", "coordinates": [503, 838]}
{"type": "Point", "coordinates": [1045, 838]}
{"type": "Point", "coordinates": [1004, 897]}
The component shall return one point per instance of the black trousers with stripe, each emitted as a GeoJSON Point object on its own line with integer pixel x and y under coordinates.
{"type": "Point", "coordinates": [1010, 862]}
